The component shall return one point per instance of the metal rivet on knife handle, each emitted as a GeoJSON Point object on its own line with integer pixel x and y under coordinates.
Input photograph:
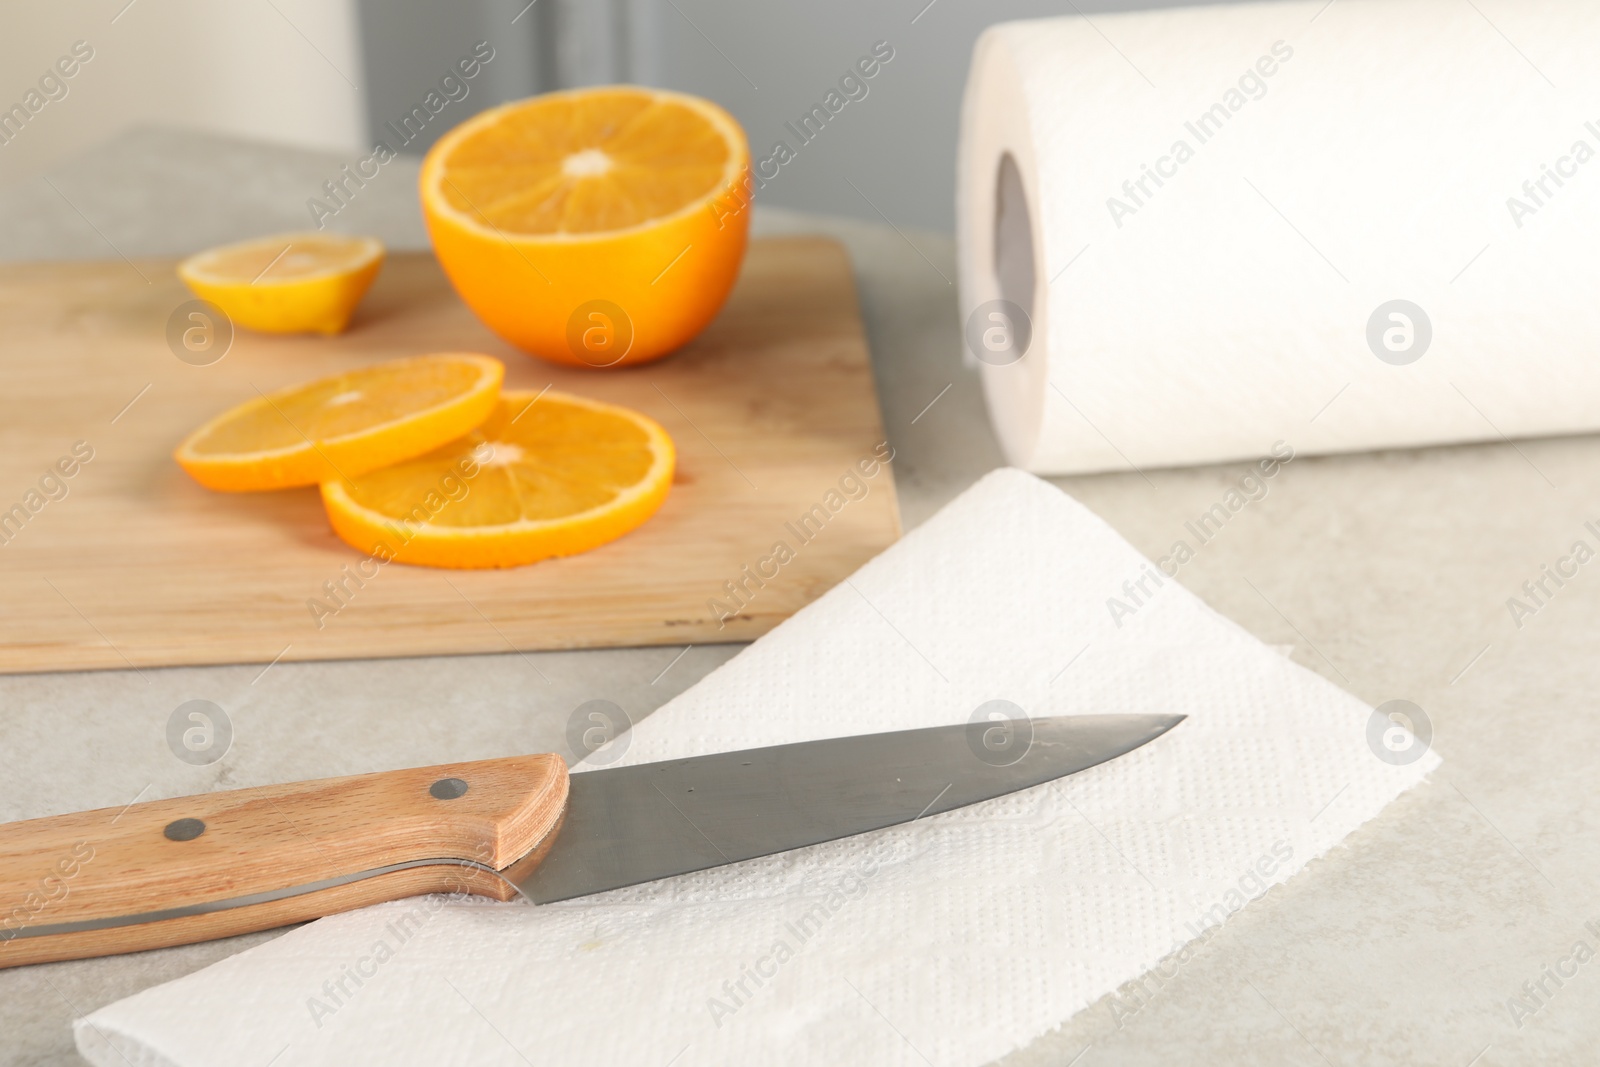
{"type": "Point", "coordinates": [184, 829]}
{"type": "Point", "coordinates": [448, 788]}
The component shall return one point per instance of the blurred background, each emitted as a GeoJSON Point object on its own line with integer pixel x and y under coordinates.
{"type": "Point", "coordinates": [330, 74]}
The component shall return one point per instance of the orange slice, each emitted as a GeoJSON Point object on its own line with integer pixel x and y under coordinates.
{"type": "Point", "coordinates": [598, 227]}
{"type": "Point", "coordinates": [344, 425]}
{"type": "Point", "coordinates": [288, 283]}
{"type": "Point", "coordinates": [548, 475]}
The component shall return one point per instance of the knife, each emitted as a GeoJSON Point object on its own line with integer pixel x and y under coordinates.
{"type": "Point", "coordinates": [172, 872]}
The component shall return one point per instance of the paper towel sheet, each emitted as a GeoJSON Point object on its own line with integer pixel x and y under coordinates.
{"type": "Point", "coordinates": [1212, 216]}
{"type": "Point", "coordinates": [952, 940]}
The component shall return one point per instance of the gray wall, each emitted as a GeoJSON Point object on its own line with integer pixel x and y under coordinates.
{"type": "Point", "coordinates": [767, 62]}
{"type": "Point", "coordinates": [409, 45]}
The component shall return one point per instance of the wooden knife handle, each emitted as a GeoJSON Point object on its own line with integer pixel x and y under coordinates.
{"type": "Point", "coordinates": [171, 872]}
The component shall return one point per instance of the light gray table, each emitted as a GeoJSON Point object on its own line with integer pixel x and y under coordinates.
{"type": "Point", "coordinates": [1388, 573]}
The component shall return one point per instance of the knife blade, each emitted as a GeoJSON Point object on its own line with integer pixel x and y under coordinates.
{"type": "Point", "coordinates": [176, 871]}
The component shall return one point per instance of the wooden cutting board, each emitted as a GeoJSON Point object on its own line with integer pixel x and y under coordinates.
{"type": "Point", "coordinates": [128, 562]}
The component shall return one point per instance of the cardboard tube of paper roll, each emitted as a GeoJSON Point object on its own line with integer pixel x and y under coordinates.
{"type": "Point", "coordinates": [1188, 235]}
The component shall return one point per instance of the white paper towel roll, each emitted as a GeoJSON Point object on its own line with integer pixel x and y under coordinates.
{"type": "Point", "coordinates": [1349, 225]}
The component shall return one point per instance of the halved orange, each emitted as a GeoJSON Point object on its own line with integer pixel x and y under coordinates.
{"type": "Point", "coordinates": [344, 425]}
{"type": "Point", "coordinates": [549, 474]}
{"type": "Point", "coordinates": [598, 227]}
{"type": "Point", "coordinates": [287, 283]}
